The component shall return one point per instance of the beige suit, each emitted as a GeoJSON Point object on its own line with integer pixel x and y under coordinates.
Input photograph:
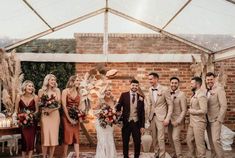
{"type": "Point", "coordinates": [197, 125]}
{"type": "Point", "coordinates": [160, 110]}
{"type": "Point", "coordinates": [217, 107]}
{"type": "Point", "coordinates": [179, 111]}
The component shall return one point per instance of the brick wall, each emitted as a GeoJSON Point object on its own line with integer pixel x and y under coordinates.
{"type": "Point", "coordinates": [140, 71]}
{"type": "Point", "coordinates": [136, 43]}
{"type": "Point", "coordinates": [229, 66]}
{"type": "Point", "coordinates": [129, 43]}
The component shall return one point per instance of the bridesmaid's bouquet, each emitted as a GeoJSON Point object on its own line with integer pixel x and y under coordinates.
{"type": "Point", "coordinates": [48, 102]}
{"type": "Point", "coordinates": [25, 118]}
{"type": "Point", "coordinates": [76, 114]}
{"type": "Point", "coordinates": [107, 116]}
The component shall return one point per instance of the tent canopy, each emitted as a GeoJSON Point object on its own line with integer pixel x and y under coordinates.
{"type": "Point", "coordinates": [208, 25]}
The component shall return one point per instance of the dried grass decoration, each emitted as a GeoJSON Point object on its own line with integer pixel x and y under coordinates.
{"type": "Point", "coordinates": [11, 78]}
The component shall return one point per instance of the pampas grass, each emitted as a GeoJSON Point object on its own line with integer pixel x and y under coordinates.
{"type": "Point", "coordinates": [11, 78]}
{"type": "Point", "coordinates": [222, 76]}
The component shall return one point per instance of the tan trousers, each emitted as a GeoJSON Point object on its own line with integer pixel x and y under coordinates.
{"type": "Point", "coordinates": [158, 134]}
{"type": "Point", "coordinates": [214, 130]}
{"type": "Point", "coordinates": [153, 129]}
{"type": "Point", "coordinates": [174, 138]}
{"type": "Point", "coordinates": [196, 134]}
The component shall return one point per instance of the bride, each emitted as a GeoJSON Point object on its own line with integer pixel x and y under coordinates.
{"type": "Point", "coordinates": [105, 140]}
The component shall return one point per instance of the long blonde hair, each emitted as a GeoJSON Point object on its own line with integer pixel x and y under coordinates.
{"type": "Point", "coordinates": [24, 85]}
{"type": "Point", "coordinates": [46, 81]}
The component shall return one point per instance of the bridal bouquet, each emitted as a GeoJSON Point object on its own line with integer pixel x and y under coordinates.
{"type": "Point", "coordinates": [48, 102]}
{"type": "Point", "coordinates": [76, 114]}
{"type": "Point", "coordinates": [107, 116]}
{"type": "Point", "coordinates": [25, 119]}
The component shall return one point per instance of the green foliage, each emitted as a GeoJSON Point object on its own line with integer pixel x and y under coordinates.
{"type": "Point", "coordinates": [36, 71]}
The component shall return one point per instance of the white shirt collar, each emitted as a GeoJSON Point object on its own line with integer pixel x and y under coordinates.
{"type": "Point", "coordinates": [133, 92]}
{"type": "Point", "coordinates": [157, 87]}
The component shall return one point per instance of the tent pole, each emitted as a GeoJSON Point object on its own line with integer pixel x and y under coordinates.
{"type": "Point", "coordinates": [105, 37]}
{"type": "Point", "coordinates": [56, 28]}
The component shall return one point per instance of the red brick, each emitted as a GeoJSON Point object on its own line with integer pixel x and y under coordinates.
{"type": "Point", "coordinates": [150, 44]}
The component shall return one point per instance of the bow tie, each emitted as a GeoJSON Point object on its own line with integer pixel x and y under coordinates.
{"type": "Point", "coordinates": [193, 93]}
{"type": "Point", "coordinates": [173, 92]}
{"type": "Point", "coordinates": [208, 89]}
{"type": "Point", "coordinates": [154, 89]}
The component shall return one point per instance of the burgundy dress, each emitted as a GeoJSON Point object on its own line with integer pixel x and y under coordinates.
{"type": "Point", "coordinates": [71, 132]}
{"type": "Point", "coordinates": [28, 133]}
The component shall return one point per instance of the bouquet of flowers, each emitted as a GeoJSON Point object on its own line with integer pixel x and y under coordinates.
{"type": "Point", "coordinates": [107, 116]}
{"type": "Point", "coordinates": [25, 119]}
{"type": "Point", "coordinates": [48, 102]}
{"type": "Point", "coordinates": [76, 114]}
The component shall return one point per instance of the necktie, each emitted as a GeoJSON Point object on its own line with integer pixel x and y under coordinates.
{"type": "Point", "coordinates": [154, 89]}
{"type": "Point", "coordinates": [133, 98]}
{"type": "Point", "coordinates": [208, 89]}
{"type": "Point", "coordinates": [173, 92]}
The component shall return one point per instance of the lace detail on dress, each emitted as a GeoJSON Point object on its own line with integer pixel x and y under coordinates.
{"type": "Point", "coordinates": [105, 142]}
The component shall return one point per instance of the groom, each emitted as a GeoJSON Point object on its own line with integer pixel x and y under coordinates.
{"type": "Point", "coordinates": [132, 105]}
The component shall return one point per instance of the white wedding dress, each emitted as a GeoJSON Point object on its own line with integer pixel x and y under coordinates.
{"type": "Point", "coordinates": [105, 142]}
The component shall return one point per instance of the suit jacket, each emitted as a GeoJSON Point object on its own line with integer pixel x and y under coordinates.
{"type": "Point", "coordinates": [163, 107]}
{"type": "Point", "coordinates": [124, 105]}
{"type": "Point", "coordinates": [179, 106]}
{"type": "Point", "coordinates": [217, 104]}
{"type": "Point", "coordinates": [199, 105]}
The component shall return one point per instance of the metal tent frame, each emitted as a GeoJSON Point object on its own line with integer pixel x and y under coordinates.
{"type": "Point", "coordinates": [107, 10]}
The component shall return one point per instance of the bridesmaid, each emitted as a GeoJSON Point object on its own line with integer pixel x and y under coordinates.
{"type": "Point", "coordinates": [27, 100]}
{"type": "Point", "coordinates": [50, 123]}
{"type": "Point", "coordinates": [70, 97]}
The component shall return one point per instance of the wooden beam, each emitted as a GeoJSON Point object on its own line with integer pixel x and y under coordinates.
{"type": "Point", "coordinates": [103, 58]}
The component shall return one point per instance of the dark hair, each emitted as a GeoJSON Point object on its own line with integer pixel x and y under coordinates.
{"type": "Point", "coordinates": [197, 79]}
{"type": "Point", "coordinates": [134, 81]}
{"type": "Point", "coordinates": [175, 78]}
{"type": "Point", "coordinates": [154, 74]}
{"type": "Point", "coordinates": [210, 74]}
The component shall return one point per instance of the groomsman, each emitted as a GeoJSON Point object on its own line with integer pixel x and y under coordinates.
{"type": "Point", "coordinates": [177, 117]}
{"type": "Point", "coordinates": [217, 107]}
{"type": "Point", "coordinates": [161, 107]}
{"type": "Point", "coordinates": [133, 114]}
{"type": "Point", "coordinates": [198, 122]}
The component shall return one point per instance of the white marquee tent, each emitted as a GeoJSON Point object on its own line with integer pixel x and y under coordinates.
{"type": "Point", "coordinates": [208, 25]}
